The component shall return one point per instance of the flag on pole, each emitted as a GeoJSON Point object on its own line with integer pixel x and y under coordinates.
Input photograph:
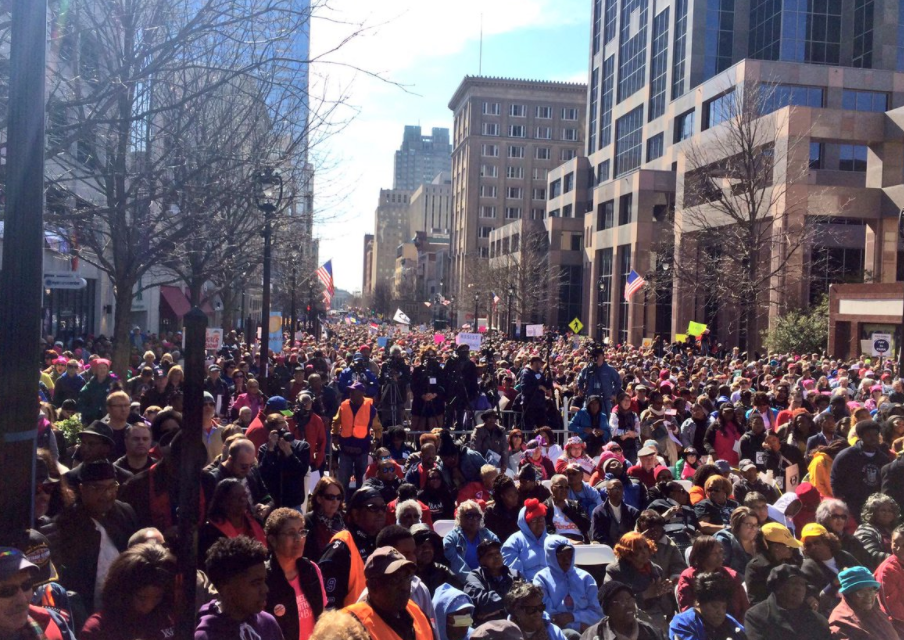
{"type": "Point", "coordinates": [496, 298]}
{"type": "Point", "coordinates": [634, 283]}
{"type": "Point", "coordinates": [401, 317]}
{"type": "Point", "coordinates": [374, 326]}
{"type": "Point", "coordinates": [325, 275]}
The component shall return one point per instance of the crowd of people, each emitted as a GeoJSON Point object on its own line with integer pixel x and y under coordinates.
{"type": "Point", "coordinates": [387, 483]}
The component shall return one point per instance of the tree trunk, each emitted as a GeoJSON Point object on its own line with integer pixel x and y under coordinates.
{"type": "Point", "coordinates": [122, 327]}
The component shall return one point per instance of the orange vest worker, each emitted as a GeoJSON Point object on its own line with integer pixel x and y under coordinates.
{"type": "Point", "coordinates": [379, 630]}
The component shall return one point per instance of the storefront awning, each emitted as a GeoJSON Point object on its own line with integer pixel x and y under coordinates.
{"type": "Point", "coordinates": [176, 300]}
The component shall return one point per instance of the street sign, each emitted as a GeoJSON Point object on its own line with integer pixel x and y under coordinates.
{"type": "Point", "coordinates": [576, 325]}
{"type": "Point", "coordinates": [64, 281]}
{"type": "Point", "coordinates": [881, 343]}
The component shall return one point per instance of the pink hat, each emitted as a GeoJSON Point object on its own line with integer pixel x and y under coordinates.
{"type": "Point", "coordinates": [574, 441]}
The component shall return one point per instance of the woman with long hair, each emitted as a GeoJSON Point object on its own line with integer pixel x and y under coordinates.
{"type": "Point", "coordinates": [325, 517]}
{"type": "Point", "coordinates": [174, 378]}
{"type": "Point", "coordinates": [516, 448]}
{"type": "Point", "coordinates": [707, 556]}
{"type": "Point", "coordinates": [137, 597]}
{"type": "Point", "coordinates": [228, 516]}
{"type": "Point", "coordinates": [723, 434]}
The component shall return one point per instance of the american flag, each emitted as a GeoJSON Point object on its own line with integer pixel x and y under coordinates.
{"type": "Point", "coordinates": [496, 298]}
{"type": "Point", "coordinates": [634, 283]}
{"type": "Point", "coordinates": [325, 275]}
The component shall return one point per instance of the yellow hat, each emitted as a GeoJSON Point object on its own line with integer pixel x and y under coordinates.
{"type": "Point", "coordinates": [813, 530]}
{"type": "Point", "coordinates": [775, 532]}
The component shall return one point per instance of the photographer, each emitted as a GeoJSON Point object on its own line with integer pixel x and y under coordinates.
{"type": "Point", "coordinates": [358, 371]}
{"type": "Point", "coordinates": [428, 405]}
{"type": "Point", "coordinates": [395, 378]}
{"type": "Point", "coordinates": [599, 379]}
{"type": "Point", "coordinates": [461, 385]}
{"type": "Point", "coordinates": [284, 461]}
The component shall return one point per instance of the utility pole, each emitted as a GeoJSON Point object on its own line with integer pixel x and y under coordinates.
{"type": "Point", "coordinates": [23, 264]}
{"type": "Point", "coordinates": [294, 319]}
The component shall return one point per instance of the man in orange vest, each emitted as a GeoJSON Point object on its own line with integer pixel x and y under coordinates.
{"type": "Point", "coordinates": [388, 613]}
{"type": "Point", "coordinates": [342, 562]}
{"type": "Point", "coordinates": [355, 424]}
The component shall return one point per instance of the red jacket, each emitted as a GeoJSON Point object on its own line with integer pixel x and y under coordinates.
{"type": "Point", "coordinates": [315, 434]}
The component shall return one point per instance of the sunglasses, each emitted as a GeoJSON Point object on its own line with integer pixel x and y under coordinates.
{"type": "Point", "coordinates": [471, 516]}
{"type": "Point", "coordinates": [11, 590]}
{"type": "Point", "coordinates": [387, 469]}
{"type": "Point", "coordinates": [540, 608]}
{"type": "Point", "coordinates": [332, 497]}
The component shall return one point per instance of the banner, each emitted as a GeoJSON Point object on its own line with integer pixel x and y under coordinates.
{"type": "Point", "coordinates": [470, 339]}
{"type": "Point", "coordinates": [696, 328]}
{"type": "Point", "coordinates": [382, 342]}
{"type": "Point", "coordinates": [438, 338]}
{"type": "Point", "coordinates": [401, 317]}
{"type": "Point", "coordinates": [275, 337]}
{"type": "Point", "coordinates": [213, 339]}
{"type": "Point", "coordinates": [535, 331]}
{"type": "Point", "coordinates": [680, 337]}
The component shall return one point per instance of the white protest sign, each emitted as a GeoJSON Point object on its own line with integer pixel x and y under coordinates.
{"type": "Point", "coordinates": [470, 339]}
{"type": "Point", "coordinates": [213, 339]}
{"type": "Point", "coordinates": [535, 331]}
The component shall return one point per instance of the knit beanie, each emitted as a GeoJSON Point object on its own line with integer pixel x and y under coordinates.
{"type": "Point", "coordinates": [533, 508]}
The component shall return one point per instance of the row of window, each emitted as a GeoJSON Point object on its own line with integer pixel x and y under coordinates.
{"type": "Point", "coordinates": [511, 193]}
{"type": "Point", "coordinates": [520, 111]}
{"type": "Point", "coordinates": [541, 153]}
{"type": "Point", "coordinates": [514, 172]}
{"type": "Point", "coordinates": [520, 131]}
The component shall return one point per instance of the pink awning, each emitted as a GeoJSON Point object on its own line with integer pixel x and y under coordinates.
{"type": "Point", "coordinates": [176, 300]}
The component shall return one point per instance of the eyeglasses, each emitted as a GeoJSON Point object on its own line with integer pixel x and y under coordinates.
{"type": "Point", "coordinates": [375, 508]}
{"type": "Point", "coordinates": [387, 469]}
{"type": "Point", "coordinates": [839, 516]}
{"type": "Point", "coordinates": [540, 608]}
{"type": "Point", "coordinates": [332, 497]}
{"type": "Point", "coordinates": [11, 590]}
{"type": "Point", "coordinates": [100, 488]}
{"type": "Point", "coordinates": [294, 535]}
{"type": "Point", "coordinates": [614, 449]}
{"type": "Point", "coordinates": [471, 516]}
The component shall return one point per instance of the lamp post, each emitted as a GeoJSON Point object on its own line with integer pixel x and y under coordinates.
{"type": "Point", "coordinates": [603, 286]}
{"type": "Point", "coordinates": [268, 193]}
{"type": "Point", "coordinates": [511, 296]}
{"type": "Point", "coordinates": [294, 317]}
{"type": "Point", "coordinates": [476, 308]}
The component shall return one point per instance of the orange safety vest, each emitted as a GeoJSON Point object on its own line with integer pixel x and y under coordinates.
{"type": "Point", "coordinates": [379, 630]}
{"type": "Point", "coordinates": [356, 582]}
{"type": "Point", "coordinates": [357, 426]}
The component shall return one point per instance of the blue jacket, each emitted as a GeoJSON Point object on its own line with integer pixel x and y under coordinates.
{"type": "Point", "coordinates": [469, 461]}
{"type": "Point", "coordinates": [602, 381]}
{"type": "Point", "coordinates": [687, 625]}
{"type": "Point", "coordinates": [455, 545]}
{"type": "Point", "coordinates": [523, 551]}
{"type": "Point", "coordinates": [588, 497]}
{"type": "Point", "coordinates": [552, 630]}
{"type": "Point", "coordinates": [581, 421]}
{"type": "Point", "coordinates": [576, 584]}
{"type": "Point", "coordinates": [447, 599]}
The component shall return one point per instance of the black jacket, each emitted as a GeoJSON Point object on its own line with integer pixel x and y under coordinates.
{"type": "Point", "coordinates": [767, 620]}
{"type": "Point", "coordinates": [282, 593]}
{"type": "Point", "coordinates": [855, 476]}
{"type": "Point", "coordinates": [574, 512]}
{"type": "Point", "coordinates": [871, 538]}
{"type": "Point", "coordinates": [605, 529]}
{"type": "Point", "coordinates": [336, 562]}
{"type": "Point", "coordinates": [256, 485]}
{"type": "Point", "coordinates": [487, 593]}
{"type": "Point", "coordinates": [893, 481]}
{"type": "Point", "coordinates": [820, 580]}
{"type": "Point", "coordinates": [284, 474]}
{"type": "Point", "coordinates": [75, 543]}
{"type": "Point", "coordinates": [645, 631]}
{"type": "Point", "coordinates": [755, 576]}
{"type": "Point", "coordinates": [501, 521]}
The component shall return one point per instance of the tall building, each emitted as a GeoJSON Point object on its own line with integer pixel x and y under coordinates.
{"type": "Point", "coordinates": [421, 157]}
{"type": "Point", "coordinates": [661, 76]}
{"type": "Point", "coordinates": [508, 135]}
{"type": "Point", "coordinates": [367, 275]}
{"type": "Point", "coordinates": [390, 231]}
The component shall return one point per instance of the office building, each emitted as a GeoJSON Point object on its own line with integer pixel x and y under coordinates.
{"type": "Point", "coordinates": [507, 135]}
{"type": "Point", "coordinates": [421, 157]}
{"type": "Point", "coordinates": [661, 76]}
{"type": "Point", "coordinates": [390, 230]}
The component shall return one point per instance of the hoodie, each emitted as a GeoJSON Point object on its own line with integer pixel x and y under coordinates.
{"type": "Point", "coordinates": [446, 600]}
{"type": "Point", "coordinates": [523, 551]}
{"type": "Point", "coordinates": [573, 591]}
{"type": "Point", "coordinates": [213, 624]}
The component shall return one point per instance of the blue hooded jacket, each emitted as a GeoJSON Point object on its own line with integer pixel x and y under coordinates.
{"type": "Point", "coordinates": [447, 599]}
{"type": "Point", "coordinates": [523, 551]}
{"type": "Point", "coordinates": [455, 546]}
{"type": "Point", "coordinates": [588, 497]}
{"type": "Point", "coordinates": [688, 625]}
{"type": "Point", "coordinates": [576, 584]}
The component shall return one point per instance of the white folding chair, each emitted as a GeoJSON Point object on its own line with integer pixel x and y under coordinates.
{"type": "Point", "coordinates": [687, 484]}
{"type": "Point", "coordinates": [442, 527]}
{"type": "Point", "coordinates": [546, 483]}
{"type": "Point", "coordinates": [593, 554]}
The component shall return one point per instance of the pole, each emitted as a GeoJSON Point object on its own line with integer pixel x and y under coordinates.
{"type": "Point", "coordinates": [192, 457]}
{"type": "Point", "coordinates": [22, 269]}
{"type": "Point", "coordinates": [294, 319]}
{"type": "Point", "coordinates": [476, 308]}
{"type": "Point", "coordinates": [508, 319]}
{"type": "Point", "coordinates": [265, 309]}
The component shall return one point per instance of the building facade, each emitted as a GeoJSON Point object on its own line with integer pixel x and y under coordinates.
{"type": "Point", "coordinates": [661, 76]}
{"type": "Point", "coordinates": [507, 135]}
{"type": "Point", "coordinates": [390, 230]}
{"type": "Point", "coordinates": [421, 157]}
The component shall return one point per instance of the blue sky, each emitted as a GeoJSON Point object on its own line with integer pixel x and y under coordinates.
{"type": "Point", "coordinates": [427, 46]}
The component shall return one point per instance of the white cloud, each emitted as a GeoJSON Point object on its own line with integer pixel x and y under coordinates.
{"type": "Point", "coordinates": [395, 37]}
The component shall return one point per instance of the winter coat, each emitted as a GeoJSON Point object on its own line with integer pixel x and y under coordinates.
{"type": "Point", "coordinates": [855, 476]}
{"type": "Point", "coordinates": [605, 529]}
{"type": "Point", "coordinates": [820, 580]}
{"type": "Point", "coordinates": [720, 440]}
{"type": "Point", "coordinates": [483, 440]}
{"type": "Point", "coordinates": [455, 545]}
{"type": "Point", "coordinates": [582, 423]}
{"type": "Point", "coordinates": [588, 497]}
{"type": "Point", "coordinates": [873, 544]}
{"type": "Point", "coordinates": [487, 593]}
{"type": "Point", "coordinates": [688, 625]}
{"type": "Point", "coordinates": [501, 521]}
{"type": "Point", "coordinates": [92, 399]}
{"type": "Point", "coordinates": [213, 624]}
{"type": "Point", "coordinates": [571, 510]}
{"type": "Point", "coordinates": [524, 552]}
{"type": "Point", "coordinates": [767, 620]}
{"type": "Point", "coordinates": [890, 575]}
{"type": "Point", "coordinates": [893, 480]}
{"type": "Point", "coordinates": [573, 591]}
{"type": "Point", "coordinates": [284, 474]}
{"type": "Point", "coordinates": [469, 461]}
{"type": "Point", "coordinates": [846, 624]}
{"type": "Point", "coordinates": [669, 557]}
{"type": "Point", "coordinates": [624, 571]}
{"type": "Point", "coordinates": [446, 600]}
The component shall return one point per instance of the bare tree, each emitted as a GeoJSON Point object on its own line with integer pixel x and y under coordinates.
{"type": "Point", "coordinates": [742, 222]}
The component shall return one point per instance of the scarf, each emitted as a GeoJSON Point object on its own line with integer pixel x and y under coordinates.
{"type": "Point", "coordinates": [333, 523]}
{"type": "Point", "coordinates": [31, 631]}
{"type": "Point", "coordinates": [658, 414]}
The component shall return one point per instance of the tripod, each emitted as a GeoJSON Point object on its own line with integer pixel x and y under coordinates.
{"type": "Point", "coordinates": [390, 402]}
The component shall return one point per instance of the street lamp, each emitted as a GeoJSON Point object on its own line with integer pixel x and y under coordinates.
{"type": "Point", "coordinates": [603, 285]}
{"type": "Point", "coordinates": [268, 193]}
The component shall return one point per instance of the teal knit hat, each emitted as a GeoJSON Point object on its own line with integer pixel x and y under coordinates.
{"type": "Point", "coordinates": [856, 578]}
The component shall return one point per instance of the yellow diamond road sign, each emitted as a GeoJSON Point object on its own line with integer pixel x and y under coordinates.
{"type": "Point", "coordinates": [576, 325]}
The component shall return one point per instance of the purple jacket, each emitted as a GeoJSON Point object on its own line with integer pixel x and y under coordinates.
{"type": "Point", "coordinates": [214, 625]}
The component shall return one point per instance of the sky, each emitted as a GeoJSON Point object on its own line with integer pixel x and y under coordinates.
{"type": "Point", "coordinates": [381, 64]}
